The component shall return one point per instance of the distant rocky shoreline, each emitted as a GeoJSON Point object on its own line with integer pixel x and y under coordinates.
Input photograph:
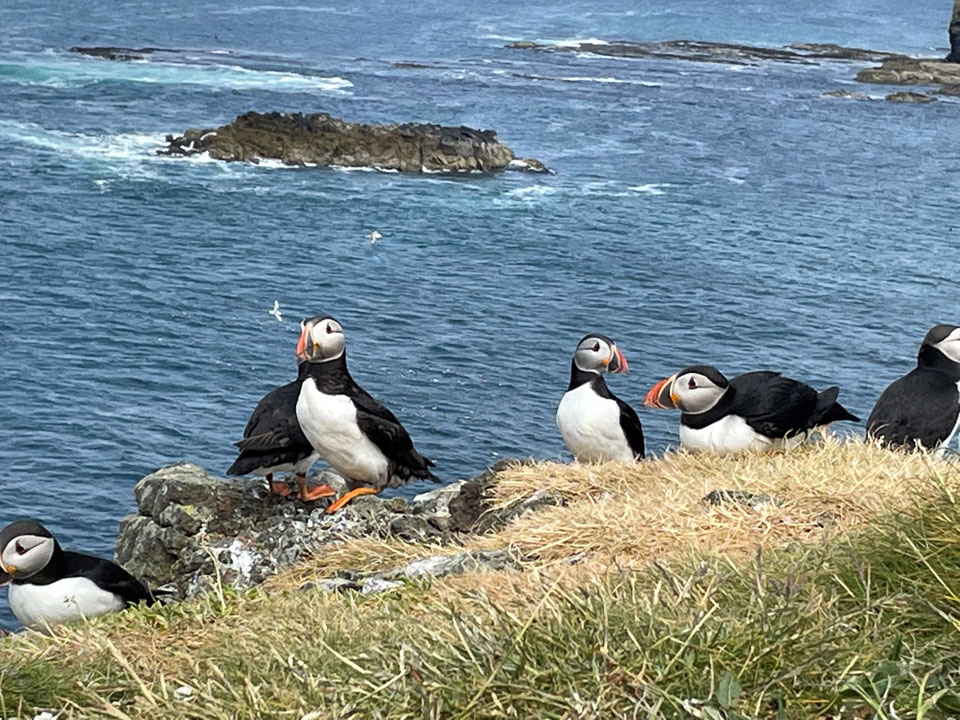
{"type": "Point", "coordinates": [894, 68]}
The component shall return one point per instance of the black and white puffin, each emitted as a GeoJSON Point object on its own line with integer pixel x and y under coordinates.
{"type": "Point", "coordinates": [596, 425]}
{"type": "Point", "coordinates": [273, 441]}
{"type": "Point", "coordinates": [49, 586]}
{"type": "Point", "coordinates": [923, 407]}
{"type": "Point", "coordinates": [360, 438]}
{"type": "Point", "coordinates": [759, 410]}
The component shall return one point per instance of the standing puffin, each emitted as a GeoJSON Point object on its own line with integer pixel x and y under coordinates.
{"type": "Point", "coordinates": [596, 425]}
{"type": "Point", "coordinates": [360, 438]}
{"type": "Point", "coordinates": [49, 586]}
{"type": "Point", "coordinates": [273, 441]}
{"type": "Point", "coordinates": [755, 411]}
{"type": "Point", "coordinates": [923, 407]}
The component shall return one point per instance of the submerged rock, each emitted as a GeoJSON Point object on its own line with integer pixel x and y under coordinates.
{"type": "Point", "coordinates": [118, 53]}
{"type": "Point", "coordinates": [193, 530]}
{"type": "Point", "coordinates": [320, 139]}
{"type": "Point", "coordinates": [912, 97]}
{"type": "Point", "coordinates": [714, 52]}
{"type": "Point", "coordinates": [849, 94]}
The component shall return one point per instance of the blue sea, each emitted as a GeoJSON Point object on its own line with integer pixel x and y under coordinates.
{"type": "Point", "coordinates": [698, 213]}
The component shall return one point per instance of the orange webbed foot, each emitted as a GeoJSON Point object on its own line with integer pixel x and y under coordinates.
{"type": "Point", "coordinates": [350, 496]}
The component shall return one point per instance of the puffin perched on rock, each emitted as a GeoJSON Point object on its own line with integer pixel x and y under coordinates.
{"type": "Point", "coordinates": [360, 438]}
{"type": "Point", "coordinates": [923, 407]}
{"type": "Point", "coordinates": [596, 425]}
{"type": "Point", "coordinates": [273, 441]}
{"type": "Point", "coordinates": [755, 411]}
{"type": "Point", "coordinates": [49, 586]}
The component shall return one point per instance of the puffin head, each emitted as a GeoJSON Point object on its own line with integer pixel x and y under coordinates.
{"type": "Point", "coordinates": [597, 353]}
{"type": "Point", "coordinates": [321, 340]}
{"type": "Point", "coordinates": [693, 390]}
{"type": "Point", "coordinates": [946, 339]}
{"type": "Point", "coordinates": [25, 549]}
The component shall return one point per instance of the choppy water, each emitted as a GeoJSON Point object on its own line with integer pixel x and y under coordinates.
{"type": "Point", "coordinates": [698, 213]}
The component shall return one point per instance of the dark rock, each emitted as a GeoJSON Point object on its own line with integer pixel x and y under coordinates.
{"type": "Point", "coordinates": [118, 53]}
{"type": "Point", "coordinates": [323, 140]}
{"type": "Point", "coordinates": [954, 33]}
{"type": "Point", "coordinates": [740, 497]}
{"type": "Point", "coordinates": [949, 90]}
{"type": "Point", "coordinates": [912, 71]}
{"type": "Point", "coordinates": [193, 528]}
{"type": "Point", "coordinates": [846, 94]}
{"type": "Point", "coordinates": [726, 53]}
{"type": "Point", "coordinates": [911, 97]}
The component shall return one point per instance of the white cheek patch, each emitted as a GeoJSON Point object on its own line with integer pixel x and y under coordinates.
{"type": "Point", "coordinates": [950, 346]}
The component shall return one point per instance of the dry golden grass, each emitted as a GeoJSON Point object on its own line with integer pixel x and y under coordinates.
{"type": "Point", "coordinates": [629, 515]}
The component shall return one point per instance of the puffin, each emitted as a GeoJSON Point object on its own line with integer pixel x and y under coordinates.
{"type": "Point", "coordinates": [354, 433]}
{"type": "Point", "coordinates": [596, 425]}
{"type": "Point", "coordinates": [922, 408]}
{"type": "Point", "coordinates": [759, 410]}
{"type": "Point", "coordinates": [49, 585]}
{"type": "Point", "coordinates": [273, 441]}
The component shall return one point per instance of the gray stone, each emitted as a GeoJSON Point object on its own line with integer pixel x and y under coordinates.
{"type": "Point", "coordinates": [912, 71]}
{"type": "Point", "coordinates": [439, 566]}
{"type": "Point", "coordinates": [375, 586]}
{"type": "Point", "coordinates": [851, 95]}
{"type": "Point", "coordinates": [193, 528]}
{"type": "Point", "coordinates": [910, 97]}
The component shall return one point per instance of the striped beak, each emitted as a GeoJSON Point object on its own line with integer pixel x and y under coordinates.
{"type": "Point", "coordinates": [618, 363]}
{"type": "Point", "coordinates": [661, 395]}
{"type": "Point", "coordinates": [302, 343]}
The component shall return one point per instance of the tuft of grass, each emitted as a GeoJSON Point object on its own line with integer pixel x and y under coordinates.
{"type": "Point", "coordinates": [636, 600]}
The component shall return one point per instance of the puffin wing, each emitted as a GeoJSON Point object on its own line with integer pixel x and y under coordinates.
{"type": "Point", "coordinates": [632, 429]}
{"type": "Point", "coordinates": [110, 577]}
{"type": "Point", "coordinates": [773, 405]}
{"type": "Point", "coordinates": [385, 431]}
{"type": "Point", "coordinates": [272, 435]}
{"type": "Point", "coordinates": [922, 406]}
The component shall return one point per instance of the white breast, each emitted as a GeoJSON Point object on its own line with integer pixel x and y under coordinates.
{"type": "Point", "coordinates": [330, 424]}
{"type": "Point", "coordinates": [590, 426]}
{"type": "Point", "coordinates": [731, 434]}
{"type": "Point", "coordinates": [953, 433]}
{"type": "Point", "coordinates": [67, 600]}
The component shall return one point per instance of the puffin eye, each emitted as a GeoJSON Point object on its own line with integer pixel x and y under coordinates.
{"type": "Point", "coordinates": [21, 550]}
{"type": "Point", "coordinates": [596, 347]}
{"type": "Point", "coordinates": [692, 385]}
{"type": "Point", "coordinates": [329, 328]}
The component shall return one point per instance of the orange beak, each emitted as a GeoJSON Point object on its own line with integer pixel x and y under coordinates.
{"type": "Point", "coordinates": [661, 395]}
{"type": "Point", "coordinates": [301, 344]}
{"type": "Point", "coordinates": [620, 362]}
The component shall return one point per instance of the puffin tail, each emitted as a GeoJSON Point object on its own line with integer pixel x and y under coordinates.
{"type": "Point", "coordinates": [829, 410]}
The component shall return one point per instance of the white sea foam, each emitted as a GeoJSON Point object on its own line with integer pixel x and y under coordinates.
{"type": "Point", "coordinates": [531, 191]}
{"type": "Point", "coordinates": [64, 71]}
{"type": "Point", "coordinates": [573, 42]}
{"type": "Point", "coordinates": [651, 188]}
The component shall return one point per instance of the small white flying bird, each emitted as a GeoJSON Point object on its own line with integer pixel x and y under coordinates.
{"type": "Point", "coordinates": [374, 236]}
{"type": "Point", "coordinates": [276, 311]}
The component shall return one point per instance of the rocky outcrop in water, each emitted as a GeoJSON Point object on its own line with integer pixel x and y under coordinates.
{"type": "Point", "coordinates": [320, 139]}
{"type": "Point", "coordinates": [192, 528]}
{"type": "Point", "coordinates": [912, 71]}
{"type": "Point", "coordinates": [122, 54]}
{"type": "Point", "coordinates": [713, 52]}
{"type": "Point", "coordinates": [909, 97]}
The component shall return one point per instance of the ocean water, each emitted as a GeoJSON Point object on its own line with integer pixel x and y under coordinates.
{"type": "Point", "coordinates": [698, 213]}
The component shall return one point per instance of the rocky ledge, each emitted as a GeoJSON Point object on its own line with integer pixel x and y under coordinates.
{"type": "Point", "coordinates": [319, 139]}
{"type": "Point", "coordinates": [192, 528]}
{"type": "Point", "coordinates": [714, 52]}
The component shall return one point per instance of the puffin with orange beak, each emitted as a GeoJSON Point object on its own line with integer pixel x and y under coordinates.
{"type": "Point", "coordinates": [359, 437]}
{"type": "Point", "coordinates": [755, 411]}
{"type": "Point", "coordinates": [273, 441]}
{"type": "Point", "coordinates": [49, 585]}
{"type": "Point", "coordinates": [596, 425]}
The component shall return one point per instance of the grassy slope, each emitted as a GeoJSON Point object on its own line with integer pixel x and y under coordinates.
{"type": "Point", "coordinates": [635, 600]}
